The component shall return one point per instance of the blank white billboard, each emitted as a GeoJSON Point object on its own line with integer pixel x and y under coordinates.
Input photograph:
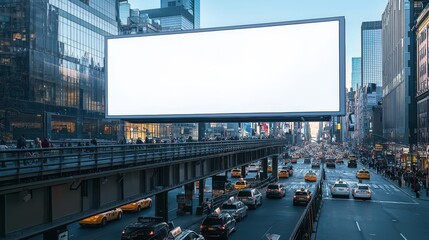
{"type": "Point", "coordinates": [269, 71]}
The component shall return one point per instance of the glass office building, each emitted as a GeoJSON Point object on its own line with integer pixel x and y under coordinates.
{"type": "Point", "coordinates": [52, 68]}
{"type": "Point", "coordinates": [371, 53]}
{"type": "Point", "coordinates": [356, 73]}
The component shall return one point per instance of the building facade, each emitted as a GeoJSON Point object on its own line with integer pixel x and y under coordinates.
{"type": "Point", "coordinates": [52, 68]}
{"type": "Point", "coordinates": [174, 15]}
{"type": "Point", "coordinates": [356, 73]}
{"type": "Point", "coordinates": [399, 84]}
{"type": "Point", "coordinates": [367, 98]}
{"type": "Point", "coordinates": [371, 53]}
{"type": "Point", "coordinates": [422, 95]}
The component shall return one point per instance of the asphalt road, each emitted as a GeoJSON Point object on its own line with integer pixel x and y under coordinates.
{"type": "Point", "coordinates": [275, 216]}
{"type": "Point", "coordinates": [390, 214]}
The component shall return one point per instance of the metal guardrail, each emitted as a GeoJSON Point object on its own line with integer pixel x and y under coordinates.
{"type": "Point", "coordinates": [18, 164]}
{"type": "Point", "coordinates": [304, 227]}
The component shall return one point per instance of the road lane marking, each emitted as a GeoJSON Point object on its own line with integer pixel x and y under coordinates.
{"type": "Point", "coordinates": [263, 235]}
{"type": "Point", "coordinates": [357, 224]}
{"type": "Point", "coordinates": [403, 236]}
{"type": "Point", "coordinates": [374, 201]}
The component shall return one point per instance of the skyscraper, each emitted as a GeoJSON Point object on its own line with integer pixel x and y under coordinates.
{"type": "Point", "coordinates": [176, 15]}
{"type": "Point", "coordinates": [356, 73]}
{"type": "Point", "coordinates": [371, 53]}
{"type": "Point", "coordinates": [398, 48]}
{"type": "Point", "coordinates": [52, 68]}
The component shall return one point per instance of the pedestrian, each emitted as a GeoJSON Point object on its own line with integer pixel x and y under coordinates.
{"type": "Point", "coordinates": [400, 180]}
{"type": "Point", "coordinates": [21, 143]}
{"type": "Point", "coordinates": [209, 206]}
{"type": "Point", "coordinates": [94, 142]}
{"type": "Point", "coordinates": [417, 190]}
{"type": "Point", "coordinates": [45, 143]}
{"type": "Point", "coordinates": [37, 143]}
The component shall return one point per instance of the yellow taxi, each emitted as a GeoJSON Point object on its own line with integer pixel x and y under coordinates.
{"type": "Point", "coordinates": [270, 169]}
{"type": "Point", "coordinates": [137, 206]}
{"type": "Point", "coordinates": [102, 218]}
{"type": "Point", "coordinates": [363, 174]}
{"type": "Point", "coordinates": [236, 172]}
{"type": "Point", "coordinates": [241, 184]}
{"type": "Point", "coordinates": [283, 173]}
{"type": "Point", "coordinates": [310, 176]}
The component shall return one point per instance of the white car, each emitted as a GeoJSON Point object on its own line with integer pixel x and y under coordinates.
{"type": "Point", "coordinates": [253, 168]}
{"type": "Point", "coordinates": [362, 191]}
{"type": "Point", "coordinates": [340, 189]}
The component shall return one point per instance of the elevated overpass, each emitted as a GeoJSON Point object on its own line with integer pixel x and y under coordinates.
{"type": "Point", "coordinates": [58, 186]}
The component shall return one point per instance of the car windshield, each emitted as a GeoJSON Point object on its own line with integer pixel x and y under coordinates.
{"type": "Point", "coordinates": [229, 206]}
{"type": "Point", "coordinates": [236, 170]}
{"type": "Point", "coordinates": [311, 173]}
{"type": "Point", "coordinates": [340, 185]}
{"type": "Point", "coordinates": [212, 221]}
{"type": "Point", "coordinates": [240, 183]}
{"type": "Point", "coordinates": [363, 187]}
{"type": "Point", "coordinates": [300, 193]}
{"type": "Point", "coordinates": [146, 230]}
{"type": "Point", "coordinates": [273, 187]}
{"type": "Point", "coordinates": [244, 194]}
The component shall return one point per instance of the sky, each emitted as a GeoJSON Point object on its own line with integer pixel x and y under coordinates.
{"type": "Point", "coordinates": [220, 13]}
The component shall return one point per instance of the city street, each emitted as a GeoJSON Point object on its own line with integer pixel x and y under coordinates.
{"type": "Point", "coordinates": [390, 214]}
{"type": "Point", "coordinates": [275, 216]}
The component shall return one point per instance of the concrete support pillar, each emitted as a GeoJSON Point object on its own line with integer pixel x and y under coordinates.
{"type": "Point", "coordinates": [264, 165]}
{"type": "Point", "coordinates": [201, 192]}
{"type": "Point", "coordinates": [161, 205]}
{"type": "Point", "coordinates": [189, 196]}
{"type": "Point", "coordinates": [275, 165]}
{"type": "Point", "coordinates": [243, 171]}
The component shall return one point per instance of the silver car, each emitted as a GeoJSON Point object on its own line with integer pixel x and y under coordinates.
{"type": "Point", "coordinates": [250, 197]}
{"type": "Point", "coordinates": [340, 189]}
{"type": "Point", "coordinates": [235, 208]}
{"type": "Point", "coordinates": [362, 191]}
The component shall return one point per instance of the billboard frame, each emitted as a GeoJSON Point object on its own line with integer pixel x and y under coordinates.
{"type": "Point", "coordinates": [240, 117]}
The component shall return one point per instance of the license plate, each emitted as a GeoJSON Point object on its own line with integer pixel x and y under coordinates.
{"type": "Point", "coordinates": [210, 228]}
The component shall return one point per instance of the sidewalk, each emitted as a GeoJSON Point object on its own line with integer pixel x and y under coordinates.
{"type": "Point", "coordinates": [405, 189]}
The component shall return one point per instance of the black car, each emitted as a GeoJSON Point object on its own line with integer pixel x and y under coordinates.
{"type": "Point", "coordinates": [147, 228]}
{"type": "Point", "coordinates": [218, 225]}
{"type": "Point", "coordinates": [307, 160]}
{"type": "Point", "coordinates": [330, 163]}
{"type": "Point", "coordinates": [352, 164]}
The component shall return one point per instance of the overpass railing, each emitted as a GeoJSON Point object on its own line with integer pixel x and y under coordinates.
{"type": "Point", "coordinates": [16, 165]}
{"type": "Point", "coordinates": [304, 228]}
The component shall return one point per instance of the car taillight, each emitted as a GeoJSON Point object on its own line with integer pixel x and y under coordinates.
{"type": "Point", "coordinates": [222, 227]}
{"type": "Point", "coordinates": [294, 196]}
{"type": "Point", "coordinates": [251, 198]}
{"type": "Point", "coordinates": [308, 197]}
{"type": "Point", "coordinates": [347, 189]}
{"type": "Point", "coordinates": [201, 226]}
{"type": "Point", "coordinates": [123, 232]}
{"type": "Point", "coordinates": [151, 232]}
